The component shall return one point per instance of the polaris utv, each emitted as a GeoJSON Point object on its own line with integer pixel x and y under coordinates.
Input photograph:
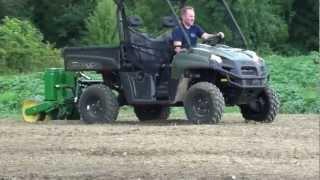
{"type": "Point", "coordinates": [144, 72]}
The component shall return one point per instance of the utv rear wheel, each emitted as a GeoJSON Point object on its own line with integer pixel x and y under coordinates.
{"type": "Point", "coordinates": [204, 104]}
{"type": "Point", "coordinates": [263, 109]}
{"type": "Point", "coordinates": [148, 113]}
{"type": "Point", "coordinates": [98, 104]}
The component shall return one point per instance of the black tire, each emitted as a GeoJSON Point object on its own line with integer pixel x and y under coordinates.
{"type": "Point", "coordinates": [152, 112]}
{"type": "Point", "coordinates": [98, 104]}
{"type": "Point", "coordinates": [204, 104]}
{"type": "Point", "coordinates": [263, 109]}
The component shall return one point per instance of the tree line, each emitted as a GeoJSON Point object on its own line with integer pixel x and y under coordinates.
{"type": "Point", "coordinates": [287, 27]}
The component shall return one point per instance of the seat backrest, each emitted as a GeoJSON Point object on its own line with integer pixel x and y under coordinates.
{"type": "Point", "coordinates": [169, 22]}
{"type": "Point", "coordinates": [149, 52]}
{"type": "Point", "coordinates": [134, 21]}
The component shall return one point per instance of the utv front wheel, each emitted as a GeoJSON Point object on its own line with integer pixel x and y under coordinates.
{"type": "Point", "coordinates": [98, 104]}
{"type": "Point", "coordinates": [152, 112]}
{"type": "Point", "coordinates": [204, 104]}
{"type": "Point", "coordinates": [262, 109]}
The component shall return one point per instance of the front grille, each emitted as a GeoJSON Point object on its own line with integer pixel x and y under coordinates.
{"type": "Point", "coordinates": [253, 82]}
{"type": "Point", "coordinates": [248, 82]}
{"type": "Point", "coordinates": [248, 70]}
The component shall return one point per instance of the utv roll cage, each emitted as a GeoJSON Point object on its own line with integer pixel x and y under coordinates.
{"type": "Point", "coordinates": [123, 22]}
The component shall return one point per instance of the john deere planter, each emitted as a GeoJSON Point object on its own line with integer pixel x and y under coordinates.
{"type": "Point", "coordinates": [59, 98]}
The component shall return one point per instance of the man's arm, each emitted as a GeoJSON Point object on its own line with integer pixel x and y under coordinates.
{"type": "Point", "coordinates": [177, 38]}
{"type": "Point", "coordinates": [202, 34]}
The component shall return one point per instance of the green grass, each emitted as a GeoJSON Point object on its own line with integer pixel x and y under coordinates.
{"type": "Point", "coordinates": [296, 79]}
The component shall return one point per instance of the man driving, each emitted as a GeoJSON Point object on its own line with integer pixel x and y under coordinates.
{"type": "Point", "coordinates": [192, 30]}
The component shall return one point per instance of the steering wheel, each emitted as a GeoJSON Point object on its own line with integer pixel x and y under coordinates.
{"type": "Point", "coordinates": [212, 41]}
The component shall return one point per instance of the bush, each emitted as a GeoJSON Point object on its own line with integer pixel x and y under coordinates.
{"type": "Point", "coordinates": [296, 79]}
{"type": "Point", "coordinates": [16, 88]}
{"type": "Point", "coordinates": [22, 48]}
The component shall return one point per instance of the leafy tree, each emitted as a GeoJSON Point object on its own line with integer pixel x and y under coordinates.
{"type": "Point", "coordinates": [3, 9]}
{"type": "Point", "coordinates": [269, 25]}
{"type": "Point", "coordinates": [151, 12]}
{"type": "Point", "coordinates": [61, 21]}
{"type": "Point", "coordinates": [304, 27]}
{"type": "Point", "coordinates": [22, 48]}
{"type": "Point", "coordinates": [260, 21]}
{"type": "Point", "coordinates": [17, 8]}
{"type": "Point", "coordinates": [102, 25]}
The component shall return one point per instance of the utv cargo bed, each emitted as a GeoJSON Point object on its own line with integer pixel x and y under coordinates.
{"type": "Point", "coordinates": [91, 58]}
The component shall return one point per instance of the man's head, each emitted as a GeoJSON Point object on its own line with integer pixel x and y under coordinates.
{"type": "Point", "coordinates": [188, 15]}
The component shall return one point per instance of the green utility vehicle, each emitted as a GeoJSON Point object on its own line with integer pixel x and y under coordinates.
{"type": "Point", "coordinates": [143, 72]}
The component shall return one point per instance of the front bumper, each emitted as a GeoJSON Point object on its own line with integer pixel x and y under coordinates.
{"type": "Point", "coordinates": [241, 89]}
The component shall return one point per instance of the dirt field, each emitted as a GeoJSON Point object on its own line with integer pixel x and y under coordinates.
{"type": "Point", "coordinates": [286, 149]}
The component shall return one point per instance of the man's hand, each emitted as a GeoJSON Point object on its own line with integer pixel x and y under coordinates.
{"type": "Point", "coordinates": [221, 34]}
{"type": "Point", "coordinates": [180, 50]}
{"type": "Point", "coordinates": [208, 36]}
{"type": "Point", "coordinates": [178, 46]}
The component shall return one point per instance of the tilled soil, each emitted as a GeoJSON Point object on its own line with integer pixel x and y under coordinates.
{"type": "Point", "coordinates": [174, 149]}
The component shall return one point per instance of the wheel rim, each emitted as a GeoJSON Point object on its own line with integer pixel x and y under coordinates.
{"type": "Point", "coordinates": [201, 105]}
{"type": "Point", "coordinates": [94, 107]}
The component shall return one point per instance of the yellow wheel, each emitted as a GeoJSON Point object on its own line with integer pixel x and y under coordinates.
{"type": "Point", "coordinates": [31, 118]}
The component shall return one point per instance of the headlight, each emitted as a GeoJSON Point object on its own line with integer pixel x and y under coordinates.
{"type": "Point", "coordinates": [216, 58]}
{"type": "Point", "coordinates": [258, 60]}
{"type": "Point", "coordinates": [254, 57]}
